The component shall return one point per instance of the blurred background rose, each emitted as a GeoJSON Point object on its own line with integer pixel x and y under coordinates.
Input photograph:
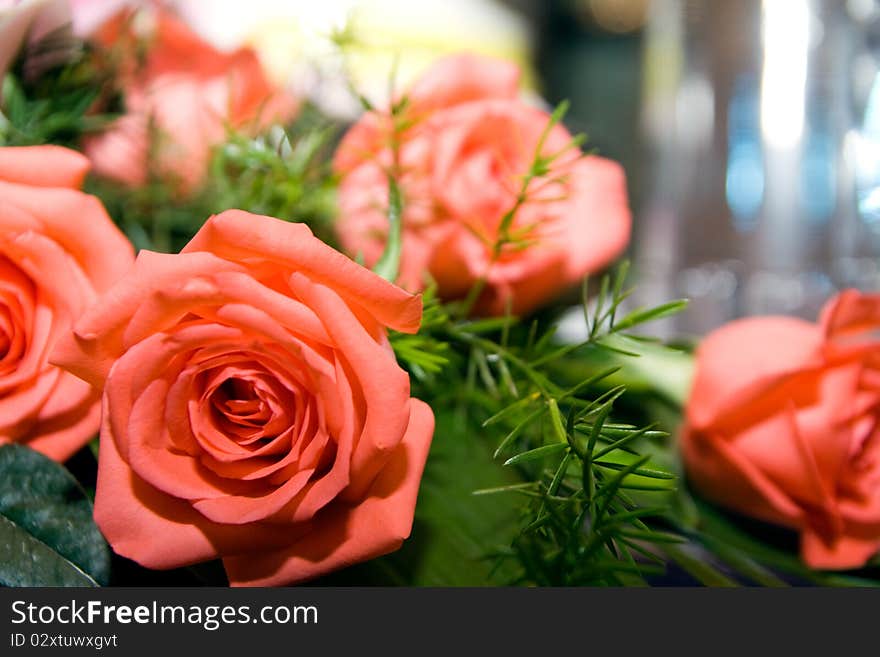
{"type": "Point", "coordinates": [181, 97]}
{"type": "Point", "coordinates": [749, 131]}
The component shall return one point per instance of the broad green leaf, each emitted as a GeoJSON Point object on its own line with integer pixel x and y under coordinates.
{"type": "Point", "coordinates": [47, 534]}
{"type": "Point", "coordinates": [25, 561]}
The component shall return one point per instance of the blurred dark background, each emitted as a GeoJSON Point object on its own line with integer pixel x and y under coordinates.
{"type": "Point", "coordinates": [750, 133]}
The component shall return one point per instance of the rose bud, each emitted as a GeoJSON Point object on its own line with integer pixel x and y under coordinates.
{"type": "Point", "coordinates": [782, 426]}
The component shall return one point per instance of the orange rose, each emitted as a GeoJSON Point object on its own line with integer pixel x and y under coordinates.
{"type": "Point", "coordinates": [180, 102]}
{"type": "Point", "coordinates": [782, 425]}
{"type": "Point", "coordinates": [462, 165]}
{"type": "Point", "coordinates": [253, 408]}
{"type": "Point", "coordinates": [58, 251]}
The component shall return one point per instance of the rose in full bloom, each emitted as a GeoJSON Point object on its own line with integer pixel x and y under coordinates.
{"type": "Point", "coordinates": [253, 407]}
{"type": "Point", "coordinates": [467, 143]}
{"type": "Point", "coordinates": [782, 425]}
{"type": "Point", "coordinates": [180, 102]}
{"type": "Point", "coordinates": [58, 251]}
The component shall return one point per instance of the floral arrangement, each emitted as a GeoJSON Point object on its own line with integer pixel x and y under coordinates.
{"type": "Point", "coordinates": [245, 343]}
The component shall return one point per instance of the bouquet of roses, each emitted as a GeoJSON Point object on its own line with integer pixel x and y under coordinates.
{"type": "Point", "coordinates": [244, 342]}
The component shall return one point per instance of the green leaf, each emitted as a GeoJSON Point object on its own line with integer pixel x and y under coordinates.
{"type": "Point", "coordinates": [659, 370]}
{"type": "Point", "coordinates": [484, 371]}
{"type": "Point", "coordinates": [612, 485]}
{"type": "Point", "coordinates": [617, 292]}
{"type": "Point", "coordinates": [47, 534]}
{"type": "Point", "coordinates": [537, 453]}
{"type": "Point", "coordinates": [652, 536]}
{"type": "Point", "coordinates": [561, 471]}
{"type": "Point", "coordinates": [701, 570]}
{"type": "Point", "coordinates": [720, 529]}
{"type": "Point", "coordinates": [556, 423]}
{"type": "Point", "coordinates": [606, 345]}
{"type": "Point", "coordinates": [512, 488]}
{"type": "Point", "coordinates": [517, 430]}
{"type": "Point", "coordinates": [29, 562]}
{"type": "Point", "coordinates": [511, 408]}
{"type": "Point", "coordinates": [641, 315]}
{"type": "Point", "coordinates": [484, 325]}
{"type": "Point", "coordinates": [507, 378]}
{"type": "Point", "coordinates": [744, 564]}
{"type": "Point", "coordinates": [627, 517]}
{"type": "Point", "coordinates": [600, 301]}
{"type": "Point", "coordinates": [623, 442]}
{"type": "Point", "coordinates": [651, 473]}
{"type": "Point", "coordinates": [586, 383]}
{"type": "Point", "coordinates": [602, 404]}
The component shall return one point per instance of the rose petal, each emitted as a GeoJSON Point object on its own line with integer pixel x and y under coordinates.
{"type": "Point", "coordinates": [325, 489]}
{"type": "Point", "coordinates": [69, 418]}
{"type": "Point", "coordinates": [150, 457]}
{"type": "Point", "coordinates": [239, 236]}
{"type": "Point", "coordinates": [43, 166]}
{"type": "Point", "coordinates": [384, 386]}
{"type": "Point", "coordinates": [721, 473]}
{"type": "Point", "coordinates": [132, 514]}
{"type": "Point", "coordinates": [240, 510]}
{"type": "Point", "coordinates": [851, 324]}
{"type": "Point", "coordinates": [843, 553]}
{"type": "Point", "coordinates": [463, 78]}
{"type": "Point", "coordinates": [598, 222]}
{"type": "Point", "coordinates": [347, 535]}
{"type": "Point", "coordinates": [740, 359]}
{"type": "Point", "coordinates": [185, 93]}
{"type": "Point", "coordinates": [119, 152]}
{"type": "Point", "coordinates": [20, 407]}
{"type": "Point", "coordinates": [98, 338]}
{"type": "Point", "coordinates": [79, 223]}
{"type": "Point", "coordinates": [363, 141]}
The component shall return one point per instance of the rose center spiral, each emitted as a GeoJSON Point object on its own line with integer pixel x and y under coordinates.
{"type": "Point", "coordinates": [241, 402]}
{"type": "Point", "coordinates": [246, 403]}
{"type": "Point", "coordinates": [16, 312]}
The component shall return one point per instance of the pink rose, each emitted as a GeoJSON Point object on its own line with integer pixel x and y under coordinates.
{"type": "Point", "coordinates": [180, 102]}
{"type": "Point", "coordinates": [782, 425]}
{"type": "Point", "coordinates": [58, 252]}
{"type": "Point", "coordinates": [253, 407]}
{"type": "Point", "coordinates": [463, 161]}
